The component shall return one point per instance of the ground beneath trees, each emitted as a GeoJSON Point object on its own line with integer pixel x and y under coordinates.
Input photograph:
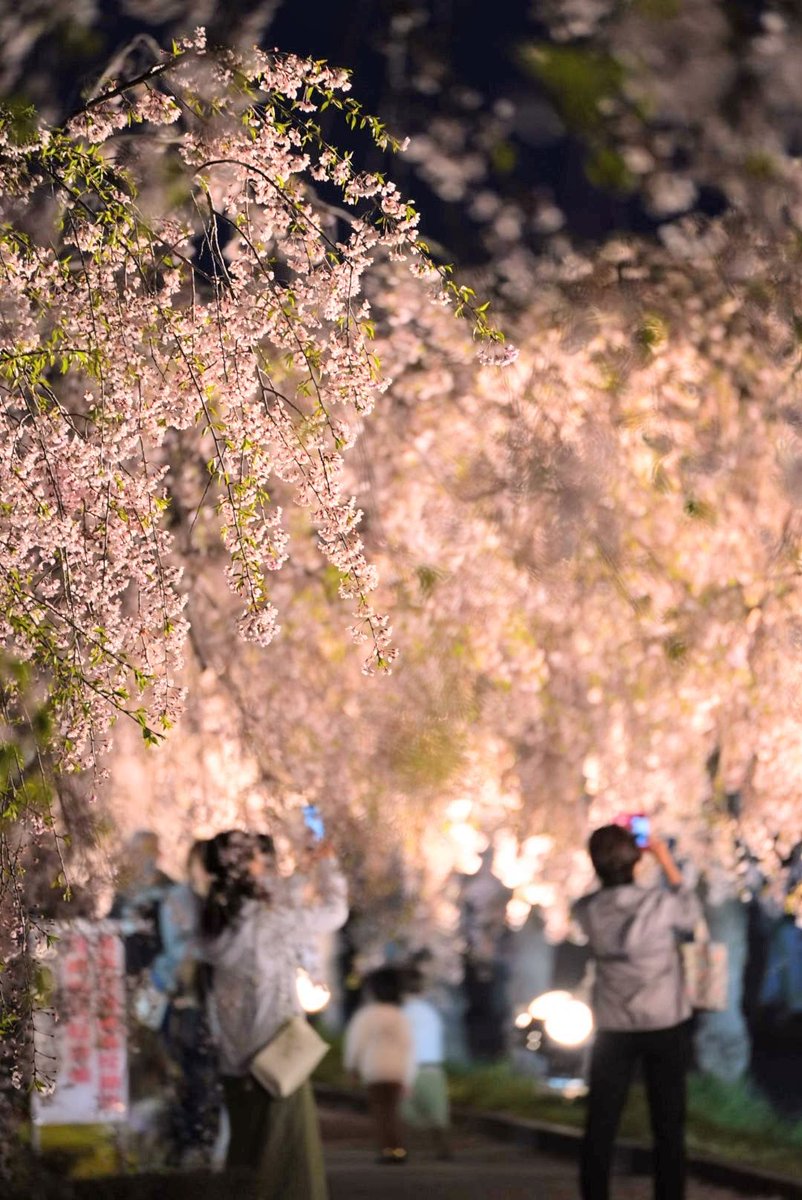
{"type": "Point", "coordinates": [481, 1170]}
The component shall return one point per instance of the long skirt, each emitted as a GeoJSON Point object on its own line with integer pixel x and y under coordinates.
{"type": "Point", "coordinates": [278, 1139]}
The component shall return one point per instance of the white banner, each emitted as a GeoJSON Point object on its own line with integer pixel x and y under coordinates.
{"type": "Point", "coordinates": [80, 1037]}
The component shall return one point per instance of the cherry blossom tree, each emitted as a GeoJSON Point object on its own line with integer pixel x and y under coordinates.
{"type": "Point", "coordinates": [182, 269]}
{"type": "Point", "coordinates": [595, 596]}
{"type": "Point", "coordinates": [591, 560]}
{"type": "Point", "coordinates": [240, 312]}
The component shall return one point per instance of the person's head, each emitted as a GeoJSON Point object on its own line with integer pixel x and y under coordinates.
{"type": "Point", "coordinates": [614, 854]}
{"type": "Point", "coordinates": [262, 859]}
{"type": "Point", "coordinates": [384, 985]}
{"type": "Point", "coordinates": [414, 981]}
{"type": "Point", "coordinates": [139, 858]}
{"type": "Point", "coordinates": [143, 846]}
{"type": "Point", "coordinates": [227, 870]}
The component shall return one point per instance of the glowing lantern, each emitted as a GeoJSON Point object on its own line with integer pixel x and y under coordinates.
{"type": "Point", "coordinates": [313, 996]}
{"type": "Point", "coordinates": [567, 1021]}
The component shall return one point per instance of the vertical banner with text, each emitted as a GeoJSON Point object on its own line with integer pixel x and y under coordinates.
{"type": "Point", "coordinates": [80, 1031]}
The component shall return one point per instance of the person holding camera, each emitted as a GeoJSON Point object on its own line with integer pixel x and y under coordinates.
{"type": "Point", "coordinates": [640, 1005]}
{"type": "Point", "coordinates": [255, 924]}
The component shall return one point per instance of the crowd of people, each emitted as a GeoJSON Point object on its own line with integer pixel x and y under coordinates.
{"type": "Point", "coordinates": [212, 965]}
{"type": "Point", "coordinates": [215, 961]}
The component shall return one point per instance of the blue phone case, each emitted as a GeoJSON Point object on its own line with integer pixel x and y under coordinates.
{"type": "Point", "coordinates": [314, 822]}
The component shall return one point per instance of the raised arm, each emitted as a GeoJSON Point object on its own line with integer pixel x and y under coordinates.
{"type": "Point", "coordinates": [325, 897]}
{"type": "Point", "coordinates": [686, 910]}
{"type": "Point", "coordinates": [666, 860]}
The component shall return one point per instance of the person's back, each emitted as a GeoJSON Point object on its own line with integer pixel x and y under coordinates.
{"type": "Point", "coordinates": [179, 918]}
{"type": "Point", "coordinates": [632, 933]}
{"type": "Point", "coordinates": [254, 969]}
{"type": "Point", "coordinates": [427, 1030]}
{"type": "Point", "coordinates": [640, 1007]}
{"type": "Point", "coordinates": [379, 1046]}
{"type": "Point", "coordinates": [255, 964]}
{"type": "Point", "coordinates": [379, 1052]}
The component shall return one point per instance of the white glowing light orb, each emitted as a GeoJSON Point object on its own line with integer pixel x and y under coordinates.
{"type": "Point", "coordinates": [543, 1006]}
{"type": "Point", "coordinates": [542, 894]}
{"type": "Point", "coordinates": [517, 913]}
{"type": "Point", "coordinates": [570, 1024]}
{"type": "Point", "coordinates": [459, 810]}
{"type": "Point", "coordinates": [313, 996]}
{"type": "Point", "coordinates": [523, 1020]}
{"type": "Point", "coordinates": [467, 846]}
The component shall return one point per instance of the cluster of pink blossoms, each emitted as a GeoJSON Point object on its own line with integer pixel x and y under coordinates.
{"type": "Point", "coordinates": [234, 314]}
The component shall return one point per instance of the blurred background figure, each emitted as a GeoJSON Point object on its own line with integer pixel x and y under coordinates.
{"type": "Point", "coordinates": [142, 886]}
{"type": "Point", "coordinates": [379, 1053]}
{"type": "Point", "coordinates": [141, 891]}
{"type": "Point", "coordinates": [194, 1116]}
{"type": "Point", "coordinates": [781, 987]}
{"type": "Point", "coordinates": [426, 1106]}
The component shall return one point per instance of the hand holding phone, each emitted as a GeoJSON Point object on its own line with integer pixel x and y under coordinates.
{"type": "Point", "coordinates": [313, 820]}
{"type": "Point", "coordinates": [639, 826]}
{"type": "Point", "coordinates": [662, 852]}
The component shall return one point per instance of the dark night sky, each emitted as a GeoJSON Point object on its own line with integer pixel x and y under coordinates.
{"type": "Point", "coordinates": [467, 45]}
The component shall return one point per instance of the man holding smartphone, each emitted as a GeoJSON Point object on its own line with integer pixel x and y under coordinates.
{"type": "Point", "coordinates": [640, 1005]}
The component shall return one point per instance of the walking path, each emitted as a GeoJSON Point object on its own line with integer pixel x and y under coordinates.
{"type": "Point", "coordinates": [481, 1170]}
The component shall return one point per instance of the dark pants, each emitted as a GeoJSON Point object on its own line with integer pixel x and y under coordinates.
{"type": "Point", "coordinates": [384, 1102]}
{"type": "Point", "coordinates": [278, 1139]}
{"type": "Point", "coordinates": [664, 1055]}
{"type": "Point", "coordinates": [194, 1117]}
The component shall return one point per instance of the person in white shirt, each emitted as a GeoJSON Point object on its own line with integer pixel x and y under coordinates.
{"type": "Point", "coordinates": [426, 1106]}
{"type": "Point", "coordinates": [378, 1052]}
{"type": "Point", "coordinates": [254, 926]}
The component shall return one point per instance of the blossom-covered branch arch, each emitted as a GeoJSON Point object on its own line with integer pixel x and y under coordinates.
{"type": "Point", "coordinates": [184, 274]}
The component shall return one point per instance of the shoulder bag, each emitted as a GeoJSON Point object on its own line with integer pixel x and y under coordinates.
{"type": "Point", "coordinates": [149, 1004]}
{"type": "Point", "coordinates": [706, 970]}
{"type": "Point", "coordinates": [289, 1058]}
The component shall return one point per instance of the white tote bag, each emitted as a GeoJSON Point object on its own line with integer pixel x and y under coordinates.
{"type": "Point", "coordinates": [149, 1005]}
{"type": "Point", "coordinates": [289, 1058]}
{"type": "Point", "coordinates": [706, 971]}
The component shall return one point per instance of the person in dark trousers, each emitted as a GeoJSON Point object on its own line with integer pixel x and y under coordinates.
{"type": "Point", "coordinates": [176, 972]}
{"type": "Point", "coordinates": [141, 891]}
{"type": "Point", "coordinates": [640, 1007]}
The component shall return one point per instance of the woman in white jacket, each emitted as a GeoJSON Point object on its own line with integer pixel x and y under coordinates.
{"type": "Point", "coordinates": [379, 1052]}
{"type": "Point", "coordinates": [255, 926]}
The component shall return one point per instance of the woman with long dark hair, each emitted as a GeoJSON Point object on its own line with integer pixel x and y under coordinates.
{"type": "Point", "coordinates": [255, 926]}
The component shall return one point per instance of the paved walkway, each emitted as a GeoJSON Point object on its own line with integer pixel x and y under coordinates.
{"type": "Point", "coordinates": [481, 1170]}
